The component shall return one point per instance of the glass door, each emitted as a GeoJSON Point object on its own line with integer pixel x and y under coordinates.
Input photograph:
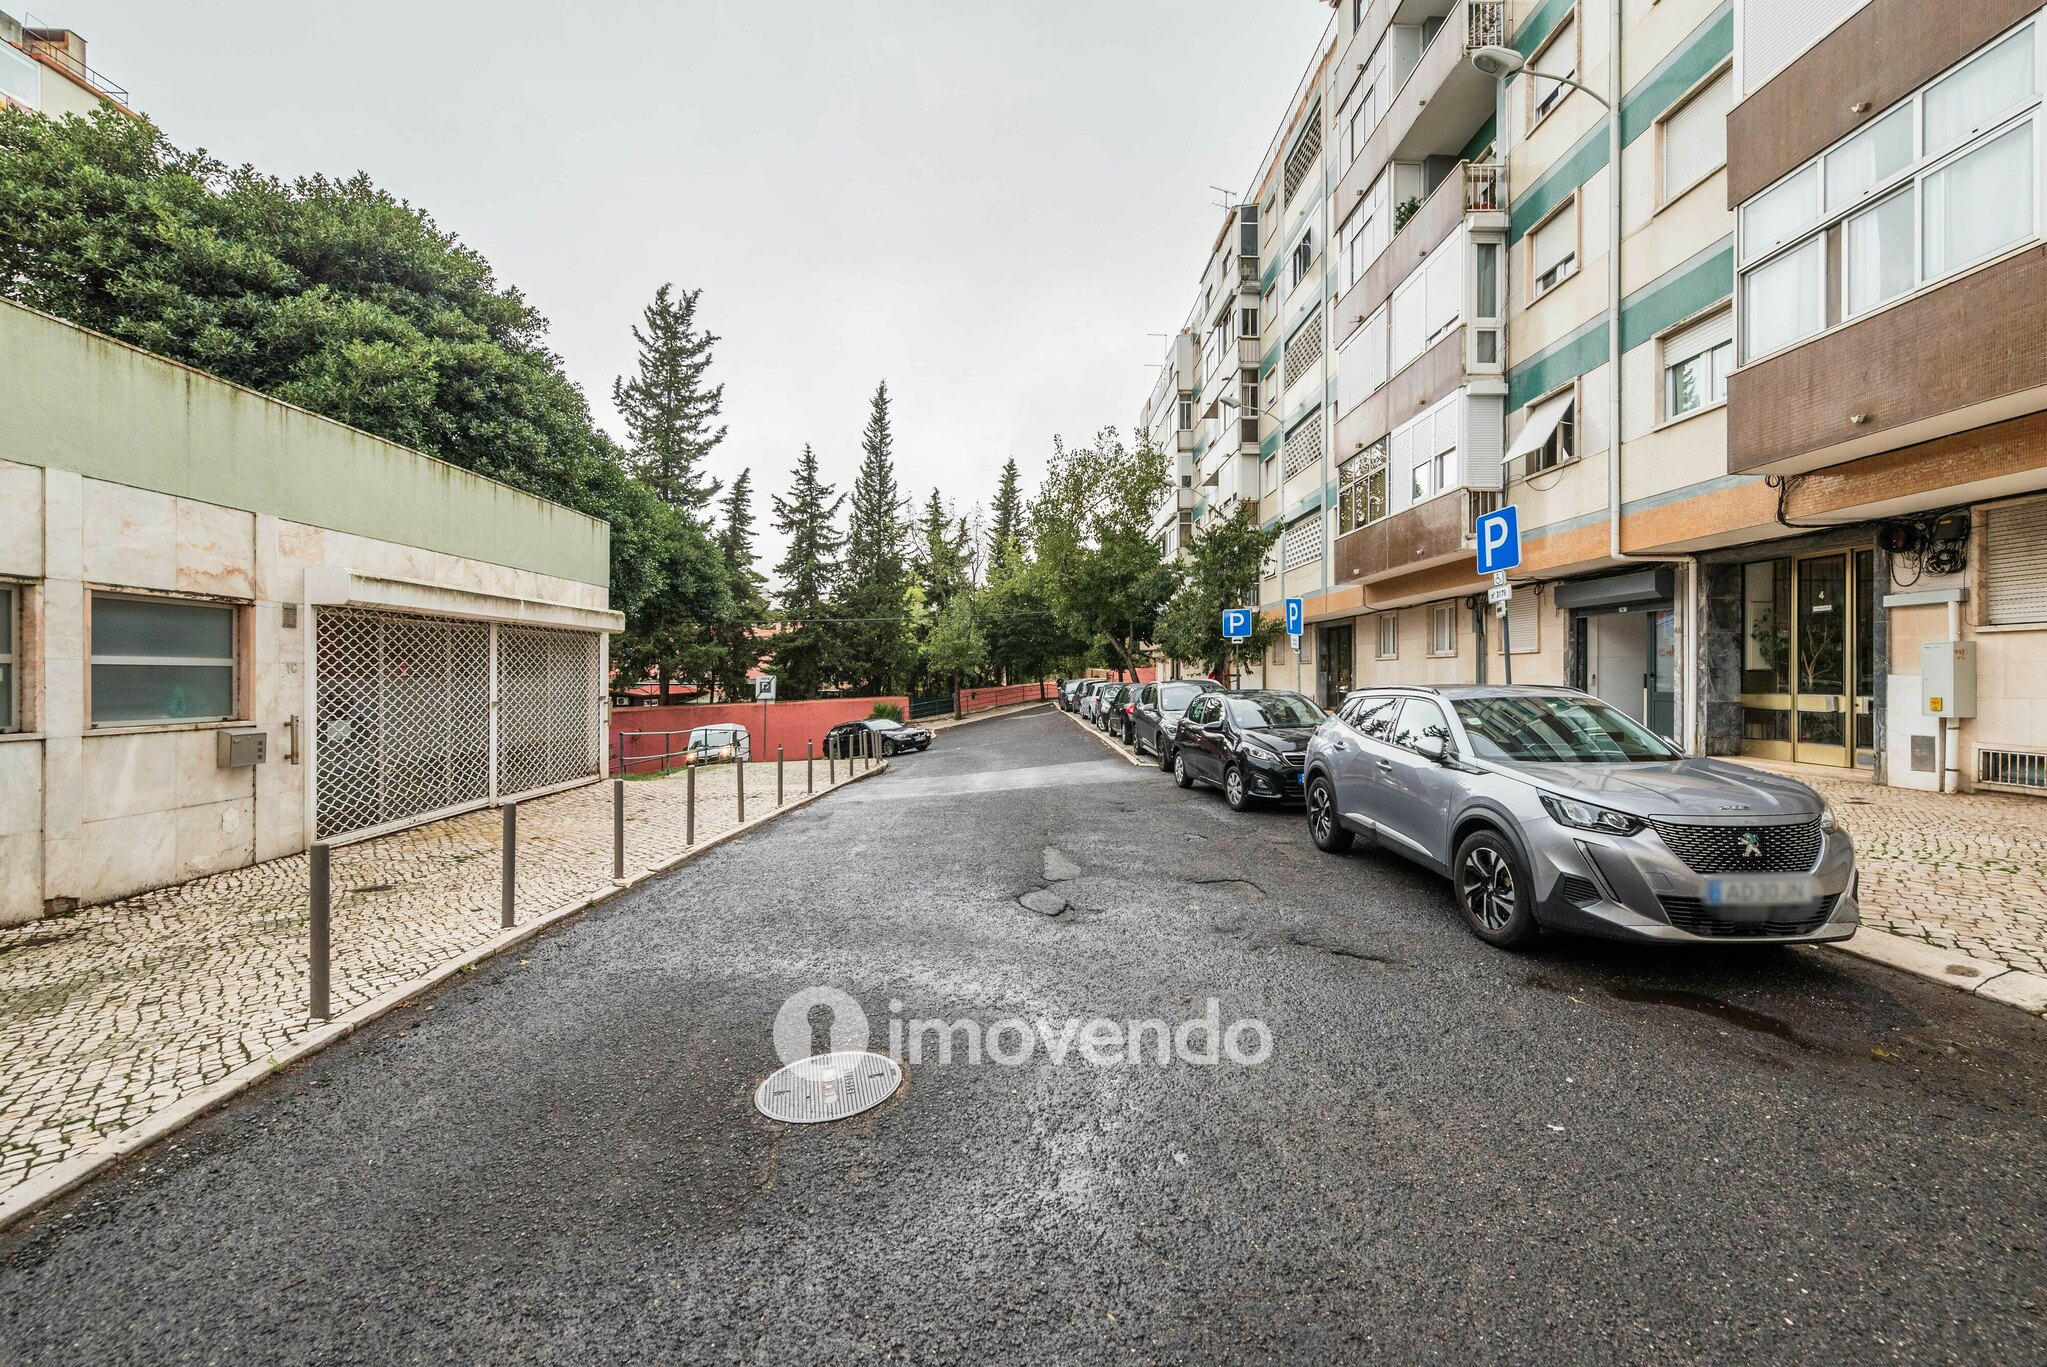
{"type": "Point", "coordinates": [1808, 663]}
{"type": "Point", "coordinates": [1337, 664]}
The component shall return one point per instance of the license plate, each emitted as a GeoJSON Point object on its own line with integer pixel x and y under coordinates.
{"type": "Point", "coordinates": [1761, 892]}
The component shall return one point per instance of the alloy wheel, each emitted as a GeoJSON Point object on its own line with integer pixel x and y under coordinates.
{"type": "Point", "coordinates": [1321, 815]}
{"type": "Point", "coordinates": [1486, 884]}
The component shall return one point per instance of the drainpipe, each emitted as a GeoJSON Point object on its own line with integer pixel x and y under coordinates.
{"type": "Point", "coordinates": [1687, 680]}
{"type": "Point", "coordinates": [1948, 735]}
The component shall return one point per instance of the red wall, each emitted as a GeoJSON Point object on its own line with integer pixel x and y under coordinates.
{"type": "Point", "coordinates": [1002, 695]}
{"type": "Point", "coordinates": [787, 724]}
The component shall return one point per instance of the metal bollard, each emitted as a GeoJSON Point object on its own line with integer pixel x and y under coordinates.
{"type": "Point", "coordinates": [739, 769]}
{"type": "Point", "coordinates": [618, 830]}
{"type": "Point", "coordinates": [778, 775]}
{"type": "Point", "coordinates": [317, 942]}
{"type": "Point", "coordinates": [809, 766]}
{"type": "Point", "coordinates": [831, 763]}
{"type": "Point", "coordinates": [507, 892]}
{"type": "Point", "coordinates": [689, 820]}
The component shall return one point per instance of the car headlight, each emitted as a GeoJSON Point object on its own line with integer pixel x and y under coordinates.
{"type": "Point", "coordinates": [1262, 751]}
{"type": "Point", "coordinates": [1586, 817]}
{"type": "Point", "coordinates": [1826, 815]}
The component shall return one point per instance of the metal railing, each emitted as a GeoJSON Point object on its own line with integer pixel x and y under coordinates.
{"type": "Point", "coordinates": [1485, 186]}
{"type": "Point", "coordinates": [56, 54]}
{"type": "Point", "coordinates": [1485, 24]}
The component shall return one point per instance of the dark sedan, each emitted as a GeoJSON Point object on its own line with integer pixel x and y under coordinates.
{"type": "Point", "coordinates": [1158, 711]}
{"type": "Point", "coordinates": [1109, 706]}
{"type": "Point", "coordinates": [1251, 743]}
{"type": "Point", "coordinates": [850, 737]}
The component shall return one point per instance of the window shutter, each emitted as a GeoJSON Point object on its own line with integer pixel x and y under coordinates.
{"type": "Point", "coordinates": [1554, 241]}
{"type": "Point", "coordinates": [1559, 57]}
{"type": "Point", "coordinates": [1772, 36]}
{"type": "Point", "coordinates": [1695, 137]}
{"type": "Point", "coordinates": [2015, 568]}
{"type": "Point", "coordinates": [1699, 338]}
{"type": "Point", "coordinates": [1522, 635]}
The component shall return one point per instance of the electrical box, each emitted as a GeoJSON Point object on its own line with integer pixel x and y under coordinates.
{"type": "Point", "coordinates": [240, 749]}
{"type": "Point", "coordinates": [1947, 678]}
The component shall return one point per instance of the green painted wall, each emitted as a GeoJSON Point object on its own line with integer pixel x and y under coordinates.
{"type": "Point", "coordinates": [74, 400]}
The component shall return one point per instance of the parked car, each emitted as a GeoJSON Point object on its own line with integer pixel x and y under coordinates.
{"type": "Point", "coordinates": [850, 737]}
{"type": "Point", "coordinates": [1067, 689]}
{"type": "Point", "coordinates": [1109, 707]}
{"type": "Point", "coordinates": [1548, 808]}
{"type": "Point", "coordinates": [1158, 710]}
{"type": "Point", "coordinates": [1251, 743]}
{"type": "Point", "coordinates": [710, 744]}
{"type": "Point", "coordinates": [1091, 697]}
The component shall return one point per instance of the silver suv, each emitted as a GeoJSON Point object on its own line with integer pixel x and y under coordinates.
{"type": "Point", "coordinates": [1549, 808]}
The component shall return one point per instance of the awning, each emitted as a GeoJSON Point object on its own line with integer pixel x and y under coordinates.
{"type": "Point", "coordinates": [1649, 585]}
{"type": "Point", "coordinates": [1540, 424]}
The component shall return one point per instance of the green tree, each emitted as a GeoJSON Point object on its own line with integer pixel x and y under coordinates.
{"type": "Point", "coordinates": [809, 576]}
{"type": "Point", "coordinates": [330, 294]}
{"type": "Point", "coordinates": [1222, 571]}
{"type": "Point", "coordinates": [1006, 523]}
{"type": "Point", "coordinates": [955, 650]}
{"type": "Point", "coordinates": [735, 641]}
{"type": "Point", "coordinates": [876, 633]}
{"type": "Point", "coordinates": [1029, 634]}
{"type": "Point", "coordinates": [669, 408]}
{"type": "Point", "coordinates": [942, 558]}
{"type": "Point", "coordinates": [1089, 525]}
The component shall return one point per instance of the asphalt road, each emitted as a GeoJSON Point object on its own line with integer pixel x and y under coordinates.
{"type": "Point", "coordinates": [1585, 1153]}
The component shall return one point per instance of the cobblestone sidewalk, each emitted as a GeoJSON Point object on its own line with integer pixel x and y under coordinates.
{"type": "Point", "coordinates": [1961, 871]}
{"type": "Point", "coordinates": [114, 1012]}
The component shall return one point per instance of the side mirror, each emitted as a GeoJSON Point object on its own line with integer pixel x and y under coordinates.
{"type": "Point", "coordinates": [1433, 748]}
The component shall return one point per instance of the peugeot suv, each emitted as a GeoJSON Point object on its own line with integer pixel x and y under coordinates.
{"type": "Point", "coordinates": [1548, 808]}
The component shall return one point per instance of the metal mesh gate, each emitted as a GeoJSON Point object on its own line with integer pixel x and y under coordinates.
{"type": "Point", "coordinates": [549, 706]}
{"type": "Point", "coordinates": [403, 720]}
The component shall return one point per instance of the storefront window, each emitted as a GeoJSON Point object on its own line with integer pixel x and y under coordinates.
{"type": "Point", "coordinates": [1766, 627]}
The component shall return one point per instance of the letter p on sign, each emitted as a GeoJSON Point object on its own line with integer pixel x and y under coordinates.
{"type": "Point", "coordinates": [1499, 540]}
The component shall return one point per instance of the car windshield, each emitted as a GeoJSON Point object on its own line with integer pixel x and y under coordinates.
{"type": "Point", "coordinates": [1275, 709]}
{"type": "Point", "coordinates": [884, 724]}
{"type": "Point", "coordinates": [1540, 729]}
{"type": "Point", "coordinates": [1175, 697]}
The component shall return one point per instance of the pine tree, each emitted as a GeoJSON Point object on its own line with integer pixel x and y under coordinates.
{"type": "Point", "coordinates": [942, 565]}
{"type": "Point", "coordinates": [809, 575]}
{"type": "Point", "coordinates": [737, 646]}
{"type": "Point", "coordinates": [1008, 515]}
{"type": "Point", "coordinates": [876, 637]}
{"type": "Point", "coordinates": [667, 406]}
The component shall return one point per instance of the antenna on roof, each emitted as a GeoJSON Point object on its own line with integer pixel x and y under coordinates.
{"type": "Point", "coordinates": [1229, 197]}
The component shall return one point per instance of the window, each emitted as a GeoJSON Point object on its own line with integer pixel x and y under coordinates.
{"type": "Point", "coordinates": [1421, 720]}
{"type": "Point", "coordinates": [21, 77]}
{"type": "Point", "coordinates": [1559, 57]}
{"type": "Point", "coordinates": [1389, 636]}
{"type": "Point", "coordinates": [1696, 360]}
{"type": "Point", "coordinates": [161, 660]}
{"type": "Point", "coordinates": [1553, 250]}
{"type": "Point", "coordinates": [1247, 321]}
{"type": "Point", "coordinates": [1944, 180]}
{"type": "Point", "coordinates": [1785, 300]}
{"type": "Point", "coordinates": [1185, 418]}
{"type": "Point", "coordinates": [1303, 259]}
{"type": "Point", "coordinates": [8, 598]}
{"type": "Point", "coordinates": [1377, 722]}
{"type": "Point", "coordinates": [1695, 136]}
{"type": "Point", "coordinates": [1556, 448]}
{"type": "Point", "coordinates": [1443, 629]}
{"type": "Point", "coordinates": [2015, 563]}
{"type": "Point", "coordinates": [1361, 485]}
{"type": "Point", "coordinates": [1982, 93]}
{"type": "Point", "coordinates": [1979, 203]}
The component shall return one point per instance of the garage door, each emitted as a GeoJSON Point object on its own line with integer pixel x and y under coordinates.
{"type": "Point", "coordinates": [402, 708]}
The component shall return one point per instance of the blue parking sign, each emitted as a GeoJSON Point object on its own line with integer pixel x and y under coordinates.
{"type": "Point", "coordinates": [1236, 624]}
{"type": "Point", "coordinates": [1499, 540]}
{"type": "Point", "coordinates": [1294, 615]}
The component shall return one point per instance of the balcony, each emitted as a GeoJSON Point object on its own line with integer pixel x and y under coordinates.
{"type": "Point", "coordinates": [1183, 441]}
{"type": "Point", "coordinates": [1432, 533]}
{"type": "Point", "coordinates": [1444, 101]}
{"type": "Point", "coordinates": [1250, 352]}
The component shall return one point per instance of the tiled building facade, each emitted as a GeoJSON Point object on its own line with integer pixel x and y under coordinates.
{"type": "Point", "coordinates": [1770, 418]}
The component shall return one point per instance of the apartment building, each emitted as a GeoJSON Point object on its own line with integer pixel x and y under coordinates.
{"type": "Point", "coordinates": [1885, 174]}
{"type": "Point", "coordinates": [44, 69]}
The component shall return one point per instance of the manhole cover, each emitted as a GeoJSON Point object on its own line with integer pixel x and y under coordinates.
{"type": "Point", "coordinates": [828, 1087]}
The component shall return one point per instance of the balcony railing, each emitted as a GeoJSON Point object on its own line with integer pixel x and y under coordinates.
{"type": "Point", "coordinates": [1485, 24]}
{"type": "Point", "coordinates": [1485, 186]}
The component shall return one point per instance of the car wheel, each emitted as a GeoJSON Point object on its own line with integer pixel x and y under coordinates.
{"type": "Point", "coordinates": [1328, 832]}
{"type": "Point", "coordinates": [1234, 791]}
{"type": "Point", "coordinates": [1165, 759]}
{"type": "Point", "coordinates": [1130, 735]}
{"type": "Point", "coordinates": [1494, 890]}
{"type": "Point", "coordinates": [1180, 774]}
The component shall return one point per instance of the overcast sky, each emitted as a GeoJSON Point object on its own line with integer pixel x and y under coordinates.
{"type": "Point", "coordinates": [990, 203]}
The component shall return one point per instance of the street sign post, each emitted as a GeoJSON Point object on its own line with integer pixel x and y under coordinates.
{"type": "Point", "coordinates": [1237, 624]}
{"type": "Point", "coordinates": [1296, 613]}
{"type": "Point", "coordinates": [1499, 539]}
{"type": "Point", "coordinates": [764, 688]}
